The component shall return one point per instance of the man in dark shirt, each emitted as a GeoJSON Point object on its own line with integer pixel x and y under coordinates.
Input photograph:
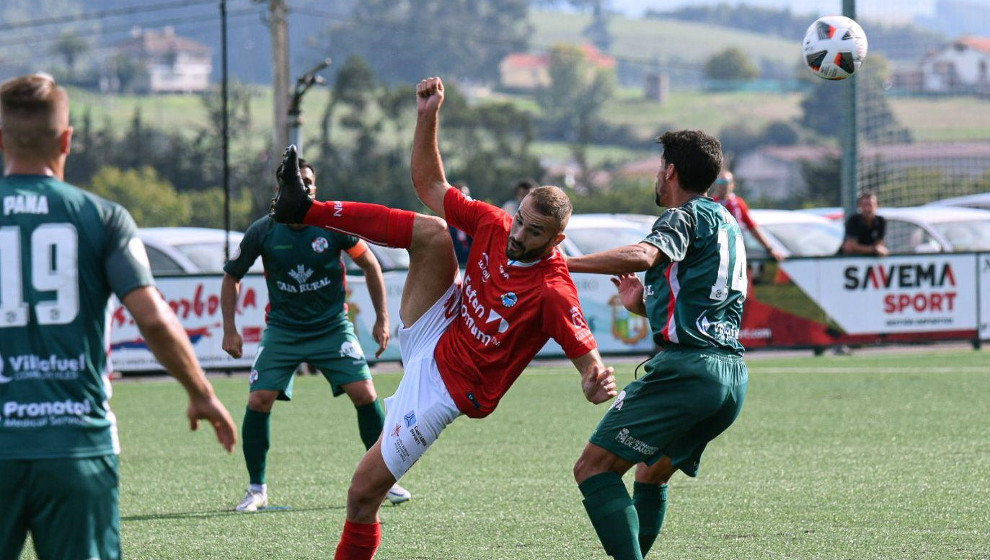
{"type": "Point", "coordinates": [865, 230]}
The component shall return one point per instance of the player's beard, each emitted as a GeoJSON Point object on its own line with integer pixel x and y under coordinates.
{"type": "Point", "coordinates": [517, 252]}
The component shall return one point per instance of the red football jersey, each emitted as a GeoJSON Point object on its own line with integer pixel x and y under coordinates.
{"type": "Point", "coordinates": [739, 210]}
{"type": "Point", "coordinates": [508, 311]}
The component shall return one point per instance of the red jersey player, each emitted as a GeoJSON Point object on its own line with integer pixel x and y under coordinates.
{"type": "Point", "coordinates": [463, 343]}
{"type": "Point", "coordinates": [723, 192]}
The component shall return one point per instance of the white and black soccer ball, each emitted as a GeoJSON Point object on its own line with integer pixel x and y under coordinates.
{"type": "Point", "coordinates": [834, 47]}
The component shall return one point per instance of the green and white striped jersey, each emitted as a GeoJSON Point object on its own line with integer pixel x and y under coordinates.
{"type": "Point", "coordinates": [696, 299]}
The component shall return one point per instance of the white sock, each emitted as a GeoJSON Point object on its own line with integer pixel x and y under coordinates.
{"type": "Point", "coordinates": [263, 488]}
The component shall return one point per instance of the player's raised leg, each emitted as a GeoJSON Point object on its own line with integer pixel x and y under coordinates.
{"type": "Point", "coordinates": [432, 263]}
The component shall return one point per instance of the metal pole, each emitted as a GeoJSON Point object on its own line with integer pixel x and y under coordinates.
{"type": "Point", "coordinates": [306, 81]}
{"type": "Point", "coordinates": [225, 132]}
{"type": "Point", "coordinates": [849, 139]}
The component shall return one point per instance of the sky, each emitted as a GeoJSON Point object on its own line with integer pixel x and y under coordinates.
{"type": "Point", "coordinates": [899, 9]}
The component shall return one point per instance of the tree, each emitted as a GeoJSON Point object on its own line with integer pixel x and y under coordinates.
{"type": "Point", "coordinates": [406, 41]}
{"type": "Point", "coordinates": [576, 93]}
{"type": "Point", "coordinates": [822, 106]}
{"type": "Point", "coordinates": [823, 181]}
{"type": "Point", "coordinates": [731, 64]}
{"type": "Point", "coordinates": [70, 46]}
{"type": "Point", "coordinates": [150, 200]}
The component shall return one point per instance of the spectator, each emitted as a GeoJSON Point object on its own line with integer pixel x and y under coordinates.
{"type": "Point", "coordinates": [865, 229]}
{"type": "Point", "coordinates": [462, 241]}
{"type": "Point", "coordinates": [520, 190]}
{"type": "Point", "coordinates": [724, 193]}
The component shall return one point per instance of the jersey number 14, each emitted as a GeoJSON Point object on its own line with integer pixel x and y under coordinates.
{"type": "Point", "coordinates": [723, 282]}
{"type": "Point", "coordinates": [54, 252]}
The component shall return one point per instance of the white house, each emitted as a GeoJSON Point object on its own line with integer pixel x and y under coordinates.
{"type": "Point", "coordinates": [960, 67]}
{"type": "Point", "coordinates": [171, 63]}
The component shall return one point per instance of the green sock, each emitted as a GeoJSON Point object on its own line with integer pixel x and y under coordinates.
{"type": "Point", "coordinates": [613, 515]}
{"type": "Point", "coordinates": [651, 505]}
{"type": "Point", "coordinates": [256, 434]}
{"type": "Point", "coordinates": [371, 418]}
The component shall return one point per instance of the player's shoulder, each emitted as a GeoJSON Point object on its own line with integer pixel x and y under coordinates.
{"type": "Point", "coordinates": [557, 278]}
{"type": "Point", "coordinates": [262, 226]}
{"type": "Point", "coordinates": [75, 198]}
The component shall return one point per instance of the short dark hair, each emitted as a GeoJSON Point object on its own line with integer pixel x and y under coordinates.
{"type": "Point", "coordinates": [552, 201]}
{"type": "Point", "coordinates": [866, 194]}
{"type": "Point", "coordinates": [696, 156]}
{"type": "Point", "coordinates": [303, 164]}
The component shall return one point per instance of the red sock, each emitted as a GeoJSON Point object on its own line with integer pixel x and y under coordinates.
{"type": "Point", "coordinates": [376, 223]}
{"type": "Point", "coordinates": [359, 541]}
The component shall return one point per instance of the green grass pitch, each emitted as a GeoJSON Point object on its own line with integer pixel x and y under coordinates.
{"type": "Point", "coordinates": [870, 456]}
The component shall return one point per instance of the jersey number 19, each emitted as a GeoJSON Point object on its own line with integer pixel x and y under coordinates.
{"type": "Point", "coordinates": [54, 253]}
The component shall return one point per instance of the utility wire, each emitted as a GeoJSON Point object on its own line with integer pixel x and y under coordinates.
{"type": "Point", "coordinates": [86, 16]}
{"type": "Point", "coordinates": [127, 27]}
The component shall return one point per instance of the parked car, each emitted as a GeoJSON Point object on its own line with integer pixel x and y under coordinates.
{"type": "Point", "coordinates": [936, 229]}
{"type": "Point", "coordinates": [979, 201]}
{"type": "Point", "coordinates": [591, 233]}
{"type": "Point", "coordinates": [188, 250]}
{"type": "Point", "coordinates": [831, 212]}
{"type": "Point", "coordinates": [795, 234]}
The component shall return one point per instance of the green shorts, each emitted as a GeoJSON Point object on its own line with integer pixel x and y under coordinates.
{"type": "Point", "coordinates": [687, 398]}
{"type": "Point", "coordinates": [336, 352]}
{"type": "Point", "coordinates": [70, 507]}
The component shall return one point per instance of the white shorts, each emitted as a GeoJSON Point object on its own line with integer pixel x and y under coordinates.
{"type": "Point", "coordinates": [421, 407]}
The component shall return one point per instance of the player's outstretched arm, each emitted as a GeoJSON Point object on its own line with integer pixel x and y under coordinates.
{"type": "Point", "coordinates": [427, 166]}
{"type": "Point", "coordinates": [230, 288]}
{"type": "Point", "coordinates": [621, 260]}
{"type": "Point", "coordinates": [376, 290]}
{"type": "Point", "coordinates": [597, 381]}
{"type": "Point", "coordinates": [167, 340]}
{"type": "Point", "coordinates": [762, 238]}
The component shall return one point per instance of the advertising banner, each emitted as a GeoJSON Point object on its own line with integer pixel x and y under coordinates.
{"type": "Point", "coordinates": [983, 264]}
{"type": "Point", "coordinates": [196, 301]}
{"type": "Point", "coordinates": [796, 303]}
{"type": "Point", "coordinates": [910, 293]}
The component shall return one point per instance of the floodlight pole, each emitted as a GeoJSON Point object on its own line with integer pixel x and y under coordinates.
{"type": "Point", "coordinates": [849, 136]}
{"type": "Point", "coordinates": [306, 81]}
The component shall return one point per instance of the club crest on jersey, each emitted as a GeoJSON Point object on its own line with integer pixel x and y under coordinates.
{"type": "Point", "coordinates": [577, 318]}
{"type": "Point", "coordinates": [509, 299]}
{"type": "Point", "coordinates": [300, 274]}
{"type": "Point", "coordinates": [320, 244]}
{"type": "Point", "coordinates": [410, 418]}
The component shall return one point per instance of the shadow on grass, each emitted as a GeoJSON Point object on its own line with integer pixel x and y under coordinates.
{"type": "Point", "coordinates": [224, 513]}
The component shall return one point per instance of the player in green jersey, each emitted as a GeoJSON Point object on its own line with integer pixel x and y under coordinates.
{"type": "Point", "coordinates": [62, 252]}
{"type": "Point", "coordinates": [694, 388]}
{"type": "Point", "coordinates": [307, 322]}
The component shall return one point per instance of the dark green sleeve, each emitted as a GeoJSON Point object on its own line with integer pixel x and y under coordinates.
{"type": "Point", "coordinates": [672, 233]}
{"type": "Point", "coordinates": [125, 261]}
{"type": "Point", "coordinates": [345, 242]}
{"type": "Point", "coordinates": [248, 251]}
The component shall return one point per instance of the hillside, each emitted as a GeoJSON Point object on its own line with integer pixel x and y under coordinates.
{"type": "Point", "coordinates": [675, 43]}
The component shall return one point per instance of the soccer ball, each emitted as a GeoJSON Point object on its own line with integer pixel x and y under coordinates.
{"type": "Point", "coordinates": [834, 47]}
